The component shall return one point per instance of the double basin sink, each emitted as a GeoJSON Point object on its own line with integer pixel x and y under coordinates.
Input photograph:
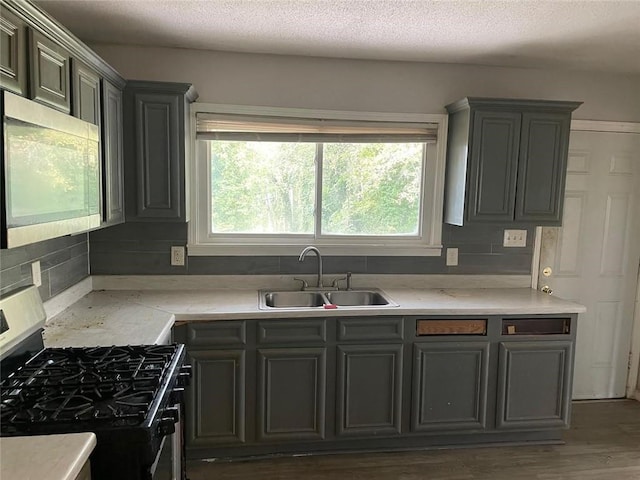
{"type": "Point", "coordinates": [324, 299]}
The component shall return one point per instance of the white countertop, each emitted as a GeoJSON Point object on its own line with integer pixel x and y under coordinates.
{"type": "Point", "coordinates": [45, 457]}
{"type": "Point", "coordinates": [120, 317]}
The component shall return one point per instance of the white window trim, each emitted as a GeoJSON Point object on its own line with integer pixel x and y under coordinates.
{"type": "Point", "coordinates": [428, 245]}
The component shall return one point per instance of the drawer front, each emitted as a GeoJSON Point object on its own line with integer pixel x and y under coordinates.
{"type": "Point", "coordinates": [382, 328]}
{"type": "Point", "coordinates": [451, 327]}
{"type": "Point", "coordinates": [292, 331]}
{"type": "Point", "coordinates": [217, 333]}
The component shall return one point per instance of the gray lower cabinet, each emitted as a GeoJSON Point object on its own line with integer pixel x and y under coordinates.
{"type": "Point", "coordinates": [112, 154]}
{"type": "Point", "coordinates": [534, 384]}
{"type": "Point", "coordinates": [369, 389]}
{"type": "Point", "coordinates": [291, 391]}
{"type": "Point", "coordinates": [450, 386]}
{"type": "Point", "coordinates": [156, 129]}
{"type": "Point", "coordinates": [13, 50]}
{"type": "Point", "coordinates": [216, 402]}
{"type": "Point", "coordinates": [49, 72]}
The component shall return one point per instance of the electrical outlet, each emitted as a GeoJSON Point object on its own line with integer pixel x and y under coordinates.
{"type": "Point", "coordinates": [452, 257]}
{"type": "Point", "coordinates": [36, 273]}
{"type": "Point", "coordinates": [177, 256]}
{"type": "Point", "coordinates": [515, 238]}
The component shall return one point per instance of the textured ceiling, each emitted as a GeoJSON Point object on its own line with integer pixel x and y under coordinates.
{"type": "Point", "coordinates": [568, 34]}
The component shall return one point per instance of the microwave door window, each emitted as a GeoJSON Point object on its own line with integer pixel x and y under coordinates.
{"type": "Point", "coordinates": [51, 175]}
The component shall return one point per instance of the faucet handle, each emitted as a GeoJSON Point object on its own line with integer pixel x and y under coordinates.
{"type": "Point", "coordinates": [347, 277]}
{"type": "Point", "coordinates": [304, 285]}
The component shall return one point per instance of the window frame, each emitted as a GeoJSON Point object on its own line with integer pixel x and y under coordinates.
{"type": "Point", "coordinates": [203, 243]}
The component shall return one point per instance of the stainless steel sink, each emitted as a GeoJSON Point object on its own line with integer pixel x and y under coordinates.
{"type": "Point", "coordinates": [357, 298]}
{"type": "Point", "coordinates": [343, 298]}
{"type": "Point", "coordinates": [293, 299]}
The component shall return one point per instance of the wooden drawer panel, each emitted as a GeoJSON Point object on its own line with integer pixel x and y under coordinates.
{"type": "Point", "coordinates": [452, 327]}
{"type": "Point", "coordinates": [381, 328]}
{"type": "Point", "coordinates": [217, 333]}
{"type": "Point", "coordinates": [292, 331]}
{"type": "Point", "coordinates": [536, 326]}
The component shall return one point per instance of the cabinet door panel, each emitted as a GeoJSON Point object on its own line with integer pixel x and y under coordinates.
{"type": "Point", "coordinates": [216, 398]}
{"type": "Point", "coordinates": [534, 382]}
{"type": "Point", "coordinates": [113, 154]}
{"type": "Point", "coordinates": [291, 394]}
{"type": "Point", "coordinates": [542, 167]}
{"type": "Point", "coordinates": [157, 156]}
{"type": "Point", "coordinates": [49, 72]}
{"type": "Point", "coordinates": [86, 93]}
{"type": "Point", "coordinates": [450, 386]}
{"type": "Point", "coordinates": [369, 390]}
{"type": "Point", "coordinates": [13, 49]}
{"type": "Point", "coordinates": [493, 165]}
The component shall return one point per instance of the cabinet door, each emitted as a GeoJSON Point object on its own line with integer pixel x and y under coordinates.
{"type": "Point", "coordinates": [291, 394]}
{"type": "Point", "coordinates": [534, 380]}
{"type": "Point", "coordinates": [450, 386]}
{"type": "Point", "coordinates": [542, 167]}
{"type": "Point", "coordinates": [216, 398]}
{"type": "Point", "coordinates": [13, 53]}
{"type": "Point", "coordinates": [86, 93]}
{"type": "Point", "coordinates": [112, 154]}
{"type": "Point", "coordinates": [158, 179]}
{"type": "Point", "coordinates": [369, 390]}
{"type": "Point", "coordinates": [49, 72]}
{"type": "Point", "coordinates": [493, 166]}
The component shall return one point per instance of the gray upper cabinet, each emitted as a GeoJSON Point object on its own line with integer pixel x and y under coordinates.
{"type": "Point", "coordinates": [506, 160]}
{"type": "Point", "coordinates": [156, 132]}
{"type": "Point", "coordinates": [112, 154]}
{"type": "Point", "coordinates": [85, 93]}
{"type": "Point", "coordinates": [13, 53]}
{"type": "Point", "coordinates": [49, 66]}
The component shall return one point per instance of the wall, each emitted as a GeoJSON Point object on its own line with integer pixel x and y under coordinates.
{"type": "Point", "coordinates": [306, 82]}
{"type": "Point", "coordinates": [300, 82]}
{"type": "Point", "coordinates": [64, 262]}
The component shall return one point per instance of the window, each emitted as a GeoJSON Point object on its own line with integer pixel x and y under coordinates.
{"type": "Point", "coordinates": [268, 181]}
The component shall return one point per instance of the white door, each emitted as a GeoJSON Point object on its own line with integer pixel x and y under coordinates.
{"type": "Point", "coordinates": [594, 256]}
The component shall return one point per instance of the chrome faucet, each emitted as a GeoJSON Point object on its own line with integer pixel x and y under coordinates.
{"type": "Point", "coordinates": [308, 249]}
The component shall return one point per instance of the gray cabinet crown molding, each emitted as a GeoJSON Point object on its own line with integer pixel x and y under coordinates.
{"type": "Point", "coordinates": [40, 20]}
{"type": "Point", "coordinates": [512, 103]}
{"type": "Point", "coordinates": [172, 88]}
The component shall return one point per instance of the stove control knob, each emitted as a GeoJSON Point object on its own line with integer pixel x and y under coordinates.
{"type": "Point", "coordinates": [177, 395]}
{"type": "Point", "coordinates": [166, 425]}
{"type": "Point", "coordinates": [184, 377]}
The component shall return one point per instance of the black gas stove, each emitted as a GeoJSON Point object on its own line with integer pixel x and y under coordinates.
{"type": "Point", "coordinates": [129, 396]}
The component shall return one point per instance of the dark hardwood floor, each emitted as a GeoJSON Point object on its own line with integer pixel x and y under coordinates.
{"type": "Point", "coordinates": [602, 444]}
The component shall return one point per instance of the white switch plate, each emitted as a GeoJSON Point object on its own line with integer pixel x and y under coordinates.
{"type": "Point", "coordinates": [177, 256]}
{"type": "Point", "coordinates": [36, 273]}
{"type": "Point", "coordinates": [452, 257]}
{"type": "Point", "coordinates": [515, 238]}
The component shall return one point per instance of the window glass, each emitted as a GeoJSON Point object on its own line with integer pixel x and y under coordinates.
{"type": "Point", "coordinates": [371, 188]}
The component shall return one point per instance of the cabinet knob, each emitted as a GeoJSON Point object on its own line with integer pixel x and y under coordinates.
{"type": "Point", "coordinates": [547, 289]}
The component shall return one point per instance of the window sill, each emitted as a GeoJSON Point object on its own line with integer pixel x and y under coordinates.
{"type": "Point", "coordinates": [326, 249]}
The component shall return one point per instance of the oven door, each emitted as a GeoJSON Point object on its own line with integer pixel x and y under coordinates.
{"type": "Point", "coordinates": [169, 464]}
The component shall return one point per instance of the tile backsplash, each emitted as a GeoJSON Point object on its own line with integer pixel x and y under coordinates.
{"type": "Point", "coordinates": [143, 249]}
{"type": "Point", "coordinates": [64, 262]}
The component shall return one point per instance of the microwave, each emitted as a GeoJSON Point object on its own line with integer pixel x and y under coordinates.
{"type": "Point", "coordinates": [50, 173]}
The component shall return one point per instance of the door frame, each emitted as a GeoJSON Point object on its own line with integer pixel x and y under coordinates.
{"type": "Point", "coordinates": [633, 377]}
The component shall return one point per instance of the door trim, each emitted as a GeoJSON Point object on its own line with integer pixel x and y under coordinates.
{"type": "Point", "coordinates": [633, 376]}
